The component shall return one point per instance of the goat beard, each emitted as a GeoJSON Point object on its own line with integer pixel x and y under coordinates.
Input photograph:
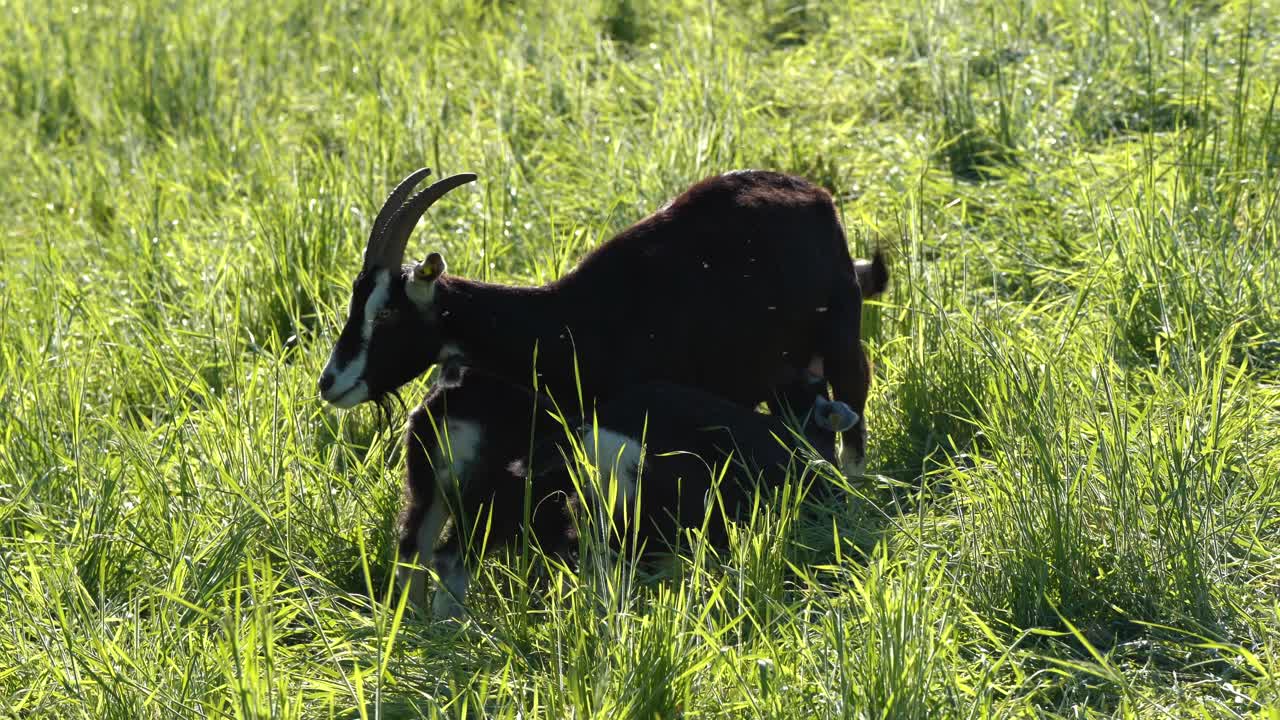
{"type": "Point", "coordinates": [387, 409]}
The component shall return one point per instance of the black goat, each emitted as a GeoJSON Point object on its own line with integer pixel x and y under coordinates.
{"type": "Point", "coordinates": [481, 443]}
{"type": "Point", "coordinates": [742, 279]}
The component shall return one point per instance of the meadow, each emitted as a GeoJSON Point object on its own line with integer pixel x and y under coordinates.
{"type": "Point", "coordinates": [1073, 506]}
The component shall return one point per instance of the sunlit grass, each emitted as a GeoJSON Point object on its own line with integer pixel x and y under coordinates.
{"type": "Point", "coordinates": [1075, 425]}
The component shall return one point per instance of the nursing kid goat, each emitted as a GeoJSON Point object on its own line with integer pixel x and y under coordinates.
{"type": "Point", "coordinates": [660, 451]}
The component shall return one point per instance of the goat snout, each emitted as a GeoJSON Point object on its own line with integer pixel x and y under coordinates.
{"type": "Point", "coordinates": [340, 391]}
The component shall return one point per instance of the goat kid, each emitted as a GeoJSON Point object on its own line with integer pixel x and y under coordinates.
{"type": "Point", "coordinates": [741, 279]}
{"type": "Point", "coordinates": [467, 450]}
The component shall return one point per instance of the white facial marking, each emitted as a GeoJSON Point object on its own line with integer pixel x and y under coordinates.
{"type": "Point", "coordinates": [617, 457]}
{"type": "Point", "coordinates": [351, 398]}
{"type": "Point", "coordinates": [452, 593]}
{"type": "Point", "coordinates": [349, 388]}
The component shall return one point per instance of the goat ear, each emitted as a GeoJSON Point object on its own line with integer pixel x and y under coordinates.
{"type": "Point", "coordinates": [431, 269]}
{"type": "Point", "coordinates": [873, 274]}
{"type": "Point", "coordinates": [422, 279]}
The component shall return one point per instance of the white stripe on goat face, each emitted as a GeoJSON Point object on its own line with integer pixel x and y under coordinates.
{"type": "Point", "coordinates": [349, 388]}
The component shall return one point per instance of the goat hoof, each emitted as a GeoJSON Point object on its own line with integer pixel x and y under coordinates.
{"type": "Point", "coordinates": [853, 469]}
{"type": "Point", "coordinates": [444, 607]}
{"type": "Point", "coordinates": [417, 583]}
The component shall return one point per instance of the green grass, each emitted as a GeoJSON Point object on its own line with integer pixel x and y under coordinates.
{"type": "Point", "coordinates": [1075, 421]}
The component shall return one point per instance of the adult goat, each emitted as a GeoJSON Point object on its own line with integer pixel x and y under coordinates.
{"type": "Point", "coordinates": [742, 279]}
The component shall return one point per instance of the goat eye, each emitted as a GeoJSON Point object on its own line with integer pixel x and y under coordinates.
{"type": "Point", "coordinates": [383, 315]}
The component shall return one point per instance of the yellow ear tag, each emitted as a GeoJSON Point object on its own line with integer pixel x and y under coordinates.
{"type": "Point", "coordinates": [430, 269]}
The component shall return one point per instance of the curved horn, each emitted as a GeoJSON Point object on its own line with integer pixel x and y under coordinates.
{"type": "Point", "coordinates": [372, 249]}
{"type": "Point", "coordinates": [401, 225]}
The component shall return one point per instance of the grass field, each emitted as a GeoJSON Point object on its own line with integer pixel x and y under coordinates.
{"type": "Point", "coordinates": [1075, 422]}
